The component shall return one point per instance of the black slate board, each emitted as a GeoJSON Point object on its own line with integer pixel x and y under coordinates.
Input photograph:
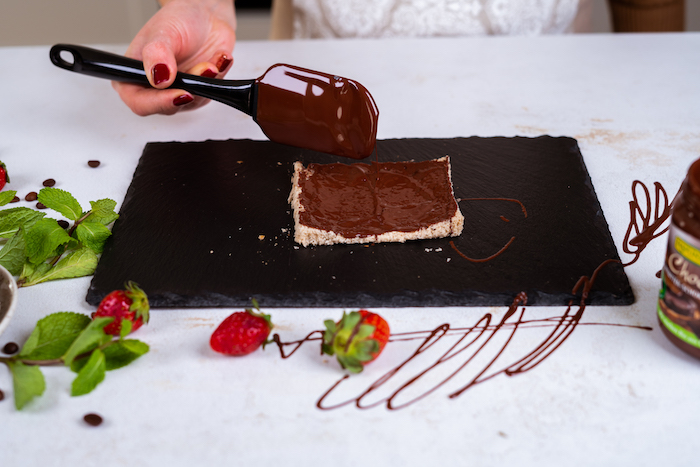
{"type": "Point", "coordinates": [191, 223]}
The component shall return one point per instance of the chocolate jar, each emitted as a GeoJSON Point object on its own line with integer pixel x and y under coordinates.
{"type": "Point", "coordinates": [678, 307]}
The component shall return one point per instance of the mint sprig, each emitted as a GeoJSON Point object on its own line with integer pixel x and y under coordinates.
{"type": "Point", "coordinates": [38, 249]}
{"type": "Point", "coordinates": [73, 340]}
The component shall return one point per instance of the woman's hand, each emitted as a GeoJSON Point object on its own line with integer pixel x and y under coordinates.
{"type": "Point", "coordinates": [194, 36]}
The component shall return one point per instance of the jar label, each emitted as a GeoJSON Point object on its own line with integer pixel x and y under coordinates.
{"type": "Point", "coordinates": [679, 299]}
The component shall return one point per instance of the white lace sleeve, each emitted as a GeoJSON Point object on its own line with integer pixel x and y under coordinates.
{"type": "Point", "coordinates": [423, 18]}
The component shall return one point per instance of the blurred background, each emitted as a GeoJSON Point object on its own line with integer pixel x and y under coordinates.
{"type": "Point", "coordinates": [45, 22]}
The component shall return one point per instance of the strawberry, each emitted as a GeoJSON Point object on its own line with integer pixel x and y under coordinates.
{"type": "Point", "coordinates": [129, 305]}
{"type": "Point", "coordinates": [242, 332]}
{"type": "Point", "coordinates": [356, 340]}
{"type": "Point", "coordinates": [4, 177]}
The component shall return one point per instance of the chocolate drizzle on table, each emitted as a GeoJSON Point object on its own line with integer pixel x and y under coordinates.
{"type": "Point", "coordinates": [461, 353]}
{"type": "Point", "coordinates": [465, 349]}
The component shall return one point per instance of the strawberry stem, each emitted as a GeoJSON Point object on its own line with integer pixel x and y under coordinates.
{"type": "Point", "coordinates": [354, 332]}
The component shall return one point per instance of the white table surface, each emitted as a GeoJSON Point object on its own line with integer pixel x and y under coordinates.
{"type": "Point", "coordinates": [610, 395]}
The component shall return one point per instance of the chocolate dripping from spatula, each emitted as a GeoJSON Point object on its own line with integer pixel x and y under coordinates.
{"type": "Point", "coordinates": [292, 105]}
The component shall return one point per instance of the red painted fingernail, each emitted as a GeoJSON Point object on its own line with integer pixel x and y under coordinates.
{"type": "Point", "coordinates": [161, 73]}
{"type": "Point", "coordinates": [182, 100]}
{"type": "Point", "coordinates": [208, 73]}
{"type": "Point", "coordinates": [223, 63]}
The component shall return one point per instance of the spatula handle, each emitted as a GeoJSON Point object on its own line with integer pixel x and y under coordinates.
{"type": "Point", "coordinates": [239, 94]}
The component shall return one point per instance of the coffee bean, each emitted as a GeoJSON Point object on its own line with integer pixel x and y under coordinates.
{"type": "Point", "coordinates": [2, 395]}
{"type": "Point", "coordinates": [94, 164]}
{"type": "Point", "coordinates": [31, 196]}
{"type": "Point", "coordinates": [15, 199]}
{"type": "Point", "coordinates": [40, 206]}
{"type": "Point", "coordinates": [49, 182]}
{"type": "Point", "coordinates": [10, 348]}
{"type": "Point", "coordinates": [63, 224]}
{"type": "Point", "coordinates": [92, 419]}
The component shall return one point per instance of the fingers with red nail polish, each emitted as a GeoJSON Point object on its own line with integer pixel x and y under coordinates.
{"type": "Point", "coordinates": [147, 101]}
{"type": "Point", "coordinates": [161, 73]}
{"type": "Point", "coordinates": [213, 69]}
{"type": "Point", "coordinates": [183, 99]}
{"type": "Point", "coordinates": [159, 62]}
{"type": "Point", "coordinates": [223, 63]}
{"type": "Point", "coordinates": [192, 36]}
{"type": "Point", "coordinates": [206, 69]}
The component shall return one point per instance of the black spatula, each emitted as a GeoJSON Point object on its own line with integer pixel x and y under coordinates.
{"type": "Point", "coordinates": [292, 105]}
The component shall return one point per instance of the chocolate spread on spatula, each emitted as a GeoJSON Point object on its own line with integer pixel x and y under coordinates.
{"type": "Point", "coordinates": [310, 109]}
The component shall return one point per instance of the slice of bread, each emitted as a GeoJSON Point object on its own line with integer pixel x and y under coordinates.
{"type": "Point", "coordinates": [360, 203]}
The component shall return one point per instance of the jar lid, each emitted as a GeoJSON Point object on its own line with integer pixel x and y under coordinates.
{"type": "Point", "coordinates": [694, 177]}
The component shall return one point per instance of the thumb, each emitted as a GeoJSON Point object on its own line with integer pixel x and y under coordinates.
{"type": "Point", "coordinates": [159, 62]}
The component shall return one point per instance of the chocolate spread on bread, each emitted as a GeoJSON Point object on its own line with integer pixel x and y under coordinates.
{"type": "Point", "coordinates": [388, 201]}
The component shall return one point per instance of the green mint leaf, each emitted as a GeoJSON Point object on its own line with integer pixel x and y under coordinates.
{"type": "Point", "coordinates": [73, 244]}
{"type": "Point", "coordinates": [103, 211]}
{"type": "Point", "coordinates": [123, 352]}
{"type": "Point", "coordinates": [61, 201]}
{"type": "Point", "coordinates": [60, 249]}
{"type": "Point", "coordinates": [12, 255]}
{"type": "Point", "coordinates": [32, 274]}
{"type": "Point", "coordinates": [125, 329]}
{"type": "Point", "coordinates": [27, 382]}
{"type": "Point", "coordinates": [53, 335]}
{"type": "Point", "coordinates": [90, 375]}
{"type": "Point", "coordinates": [43, 238]}
{"type": "Point", "coordinates": [79, 362]}
{"type": "Point", "coordinates": [93, 235]}
{"type": "Point", "coordinates": [6, 196]}
{"type": "Point", "coordinates": [27, 270]}
{"type": "Point", "coordinates": [92, 337]}
{"type": "Point", "coordinates": [14, 218]}
{"type": "Point", "coordinates": [77, 263]}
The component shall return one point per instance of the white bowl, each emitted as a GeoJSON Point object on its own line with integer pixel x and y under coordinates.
{"type": "Point", "coordinates": [8, 297]}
